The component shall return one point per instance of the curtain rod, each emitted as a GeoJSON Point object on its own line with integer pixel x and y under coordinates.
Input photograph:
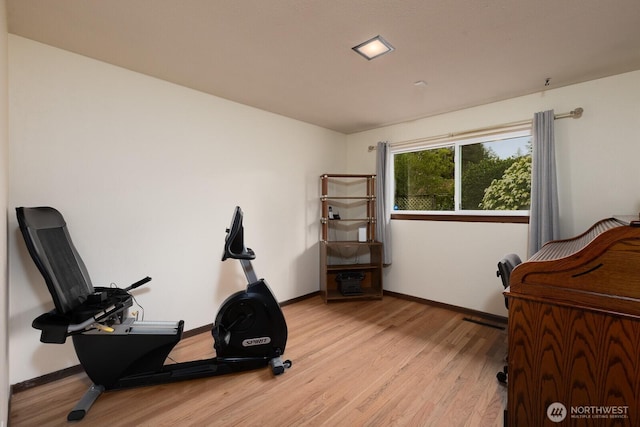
{"type": "Point", "coordinates": [575, 114]}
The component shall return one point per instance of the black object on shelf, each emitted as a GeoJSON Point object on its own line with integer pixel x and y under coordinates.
{"type": "Point", "coordinates": [349, 282]}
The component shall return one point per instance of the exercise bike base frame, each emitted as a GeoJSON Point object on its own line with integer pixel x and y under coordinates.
{"type": "Point", "coordinates": [178, 372]}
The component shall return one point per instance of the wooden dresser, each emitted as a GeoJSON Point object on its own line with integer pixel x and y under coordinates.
{"type": "Point", "coordinates": [574, 330]}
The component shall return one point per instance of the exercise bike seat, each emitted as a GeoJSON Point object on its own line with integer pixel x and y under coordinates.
{"type": "Point", "coordinates": [77, 303]}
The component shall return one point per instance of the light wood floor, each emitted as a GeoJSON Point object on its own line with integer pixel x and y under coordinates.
{"type": "Point", "coordinates": [370, 363]}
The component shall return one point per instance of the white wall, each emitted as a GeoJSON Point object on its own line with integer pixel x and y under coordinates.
{"type": "Point", "coordinates": [4, 166]}
{"type": "Point", "coordinates": [598, 174]}
{"type": "Point", "coordinates": [147, 174]}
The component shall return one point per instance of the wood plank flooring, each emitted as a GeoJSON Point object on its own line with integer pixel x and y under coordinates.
{"type": "Point", "coordinates": [359, 363]}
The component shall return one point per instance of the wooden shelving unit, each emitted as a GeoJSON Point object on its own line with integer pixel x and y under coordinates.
{"type": "Point", "coordinates": [341, 250]}
{"type": "Point", "coordinates": [330, 268]}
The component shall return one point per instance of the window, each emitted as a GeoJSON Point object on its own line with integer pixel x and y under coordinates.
{"type": "Point", "coordinates": [476, 176]}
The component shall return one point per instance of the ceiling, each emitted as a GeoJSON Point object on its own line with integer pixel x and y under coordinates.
{"type": "Point", "coordinates": [294, 57]}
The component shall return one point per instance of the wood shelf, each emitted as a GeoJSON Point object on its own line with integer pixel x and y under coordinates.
{"type": "Point", "coordinates": [325, 197]}
{"type": "Point", "coordinates": [342, 257]}
{"type": "Point", "coordinates": [347, 220]}
{"type": "Point", "coordinates": [351, 191]}
{"type": "Point", "coordinates": [364, 258]}
{"type": "Point", "coordinates": [335, 295]}
{"type": "Point", "coordinates": [341, 267]}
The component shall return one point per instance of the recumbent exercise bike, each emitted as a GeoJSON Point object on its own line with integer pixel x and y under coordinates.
{"type": "Point", "coordinates": [119, 352]}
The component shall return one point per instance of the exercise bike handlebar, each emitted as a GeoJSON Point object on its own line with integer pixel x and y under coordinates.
{"type": "Point", "coordinates": [234, 242]}
{"type": "Point", "coordinates": [138, 283]}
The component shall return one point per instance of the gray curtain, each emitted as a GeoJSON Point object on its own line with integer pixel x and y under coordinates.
{"type": "Point", "coordinates": [383, 214]}
{"type": "Point", "coordinates": [543, 218]}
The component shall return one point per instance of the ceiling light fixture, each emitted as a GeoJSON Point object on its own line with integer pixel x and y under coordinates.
{"type": "Point", "coordinates": [373, 48]}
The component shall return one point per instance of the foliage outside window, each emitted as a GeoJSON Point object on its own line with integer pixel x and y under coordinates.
{"type": "Point", "coordinates": [491, 174]}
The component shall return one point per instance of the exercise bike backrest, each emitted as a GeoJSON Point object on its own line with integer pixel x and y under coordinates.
{"type": "Point", "coordinates": [50, 246]}
{"type": "Point", "coordinates": [234, 242]}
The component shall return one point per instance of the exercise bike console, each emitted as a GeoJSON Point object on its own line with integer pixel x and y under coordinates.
{"type": "Point", "coordinates": [234, 242]}
{"type": "Point", "coordinates": [117, 351]}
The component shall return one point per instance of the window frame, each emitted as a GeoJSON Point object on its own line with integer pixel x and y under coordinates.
{"type": "Point", "coordinates": [458, 214]}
